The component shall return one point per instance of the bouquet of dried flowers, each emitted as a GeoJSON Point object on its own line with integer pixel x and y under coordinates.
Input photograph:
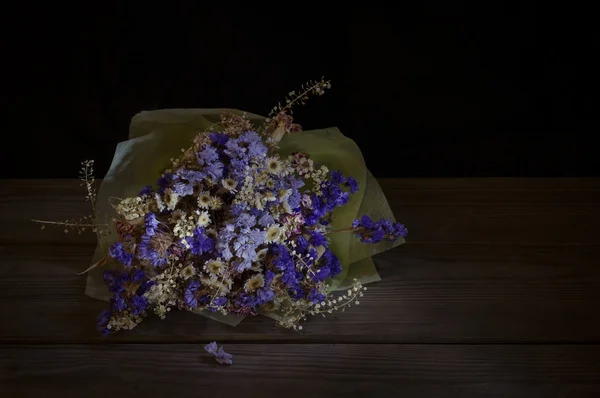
{"type": "Point", "coordinates": [232, 226]}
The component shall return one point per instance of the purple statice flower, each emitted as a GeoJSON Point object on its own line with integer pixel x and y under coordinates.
{"type": "Point", "coordinates": [226, 235]}
{"type": "Point", "coordinates": [151, 224]}
{"type": "Point", "coordinates": [137, 275]}
{"type": "Point", "coordinates": [147, 190]}
{"type": "Point", "coordinates": [302, 245]}
{"type": "Point", "coordinates": [219, 138]}
{"type": "Point", "coordinates": [189, 295]}
{"type": "Point", "coordinates": [119, 253]}
{"type": "Point", "coordinates": [214, 170]}
{"type": "Point", "coordinates": [184, 181]}
{"type": "Point", "coordinates": [189, 174]}
{"type": "Point", "coordinates": [163, 182]}
{"type": "Point", "coordinates": [364, 222]}
{"type": "Point", "coordinates": [352, 184]}
{"type": "Point", "coordinates": [246, 300]}
{"type": "Point", "coordinates": [398, 230]}
{"type": "Point", "coordinates": [245, 220]}
{"type": "Point", "coordinates": [152, 248]}
{"type": "Point", "coordinates": [139, 304]}
{"type": "Point", "coordinates": [183, 188]}
{"type": "Point", "coordinates": [118, 303]}
{"type": "Point", "coordinates": [208, 155]}
{"type": "Point", "coordinates": [315, 296]}
{"type": "Point", "coordinates": [200, 243]}
{"type": "Point", "coordinates": [284, 262]}
{"type": "Point", "coordinates": [330, 266]}
{"type": "Point", "coordinates": [269, 275]}
{"type": "Point", "coordinates": [264, 296]}
{"type": "Point", "coordinates": [337, 177]}
{"type": "Point", "coordinates": [236, 209]}
{"type": "Point", "coordinates": [217, 303]}
{"type": "Point", "coordinates": [317, 239]}
{"type": "Point", "coordinates": [294, 199]}
{"type": "Point", "coordinates": [219, 353]}
{"type": "Point", "coordinates": [295, 183]}
{"type": "Point", "coordinates": [128, 288]}
{"type": "Point", "coordinates": [234, 149]}
{"type": "Point", "coordinates": [265, 220]}
{"type": "Point", "coordinates": [114, 281]}
{"type": "Point", "coordinates": [255, 146]}
{"type": "Point", "coordinates": [102, 322]}
{"type": "Point", "coordinates": [370, 231]}
{"type": "Point", "coordinates": [238, 168]}
{"type": "Point", "coordinates": [245, 245]}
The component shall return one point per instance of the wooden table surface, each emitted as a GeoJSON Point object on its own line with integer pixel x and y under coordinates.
{"type": "Point", "coordinates": [496, 294]}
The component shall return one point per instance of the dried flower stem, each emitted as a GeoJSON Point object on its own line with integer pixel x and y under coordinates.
{"type": "Point", "coordinates": [86, 177]}
{"type": "Point", "coordinates": [350, 229]}
{"type": "Point", "coordinates": [98, 263]}
{"type": "Point", "coordinates": [67, 224]}
{"type": "Point", "coordinates": [317, 88]}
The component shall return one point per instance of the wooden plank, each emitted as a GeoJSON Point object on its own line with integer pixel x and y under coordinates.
{"type": "Point", "coordinates": [489, 210]}
{"type": "Point", "coordinates": [435, 210]}
{"type": "Point", "coordinates": [349, 370]}
{"type": "Point", "coordinates": [459, 293]}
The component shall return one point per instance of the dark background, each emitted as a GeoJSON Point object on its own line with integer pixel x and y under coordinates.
{"type": "Point", "coordinates": [427, 90]}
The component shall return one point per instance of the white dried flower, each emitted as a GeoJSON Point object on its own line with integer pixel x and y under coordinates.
{"type": "Point", "coordinates": [203, 219]}
{"type": "Point", "coordinates": [273, 233]}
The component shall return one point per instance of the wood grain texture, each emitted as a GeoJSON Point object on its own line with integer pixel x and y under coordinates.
{"type": "Point", "coordinates": [495, 294]}
{"type": "Point", "coordinates": [429, 293]}
{"type": "Point", "coordinates": [301, 370]}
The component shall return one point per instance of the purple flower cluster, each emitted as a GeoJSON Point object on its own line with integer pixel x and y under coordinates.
{"type": "Point", "coordinates": [128, 300]}
{"type": "Point", "coordinates": [370, 231]}
{"type": "Point", "coordinates": [231, 228]}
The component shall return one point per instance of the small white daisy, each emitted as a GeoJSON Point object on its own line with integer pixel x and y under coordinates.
{"type": "Point", "coordinates": [215, 267]}
{"type": "Point", "coordinates": [216, 203]}
{"type": "Point", "coordinates": [254, 283]}
{"type": "Point", "coordinates": [274, 165]}
{"type": "Point", "coordinates": [284, 194]}
{"type": "Point", "coordinates": [188, 271]}
{"type": "Point", "coordinates": [261, 254]}
{"type": "Point", "coordinates": [203, 219]}
{"type": "Point", "coordinates": [269, 196]}
{"type": "Point", "coordinates": [229, 184]}
{"type": "Point", "coordinates": [204, 200]}
{"type": "Point", "coordinates": [170, 199]}
{"type": "Point", "coordinates": [273, 233]}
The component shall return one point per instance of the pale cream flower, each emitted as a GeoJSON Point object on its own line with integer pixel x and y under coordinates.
{"type": "Point", "coordinates": [274, 165]}
{"type": "Point", "coordinates": [170, 199]}
{"type": "Point", "coordinates": [188, 271]}
{"type": "Point", "coordinates": [215, 267]}
{"type": "Point", "coordinates": [273, 233]}
{"type": "Point", "coordinates": [261, 254]}
{"type": "Point", "coordinates": [229, 184]}
{"type": "Point", "coordinates": [284, 194]}
{"type": "Point", "coordinates": [255, 282]}
{"type": "Point", "coordinates": [203, 219]}
{"type": "Point", "coordinates": [204, 200]}
{"type": "Point", "coordinates": [269, 196]}
{"type": "Point", "coordinates": [216, 203]}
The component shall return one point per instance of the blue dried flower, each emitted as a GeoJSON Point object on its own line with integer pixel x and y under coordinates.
{"type": "Point", "coordinates": [118, 252]}
{"type": "Point", "coordinates": [147, 190]}
{"type": "Point", "coordinates": [219, 138]}
{"type": "Point", "coordinates": [219, 353]}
